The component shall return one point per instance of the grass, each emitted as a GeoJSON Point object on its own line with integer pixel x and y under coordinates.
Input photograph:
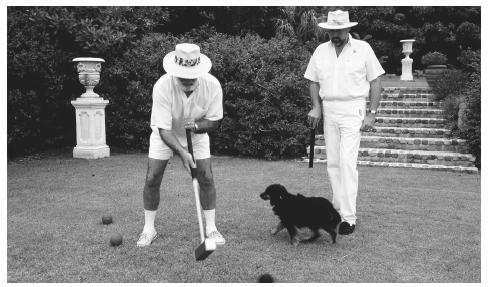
{"type": "Point", "coordinates": [413, 226]}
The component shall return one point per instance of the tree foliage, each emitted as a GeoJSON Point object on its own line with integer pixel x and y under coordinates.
{"type": "Point", "coordinates": [259, 54]}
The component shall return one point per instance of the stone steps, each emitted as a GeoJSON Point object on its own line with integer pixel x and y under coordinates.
{"type": "Point", "coordinates": [415, 122]}
{"type": "Point", "coordinates": [406, 89]}
{"type": "Point", "coordinates": [410, 113]}
{"type": "Point", "coordinates": [409, 104]}
{"type": "Point", "coordinates": [406, 96]}
{"type": "Point", "coordinates": [410, 131]}
{"type": "Point", "coordinates": [387, 131]}
{"type": "Point", "coordinates": [407, 143]}
{"type": "Point", "coordinates": [407, 156]}
{"type": "Point", "coordinates": [461, 169]}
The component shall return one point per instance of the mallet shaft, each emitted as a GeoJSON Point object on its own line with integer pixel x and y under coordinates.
{"type": "Point", "coordinates": [206, 247]}
{"type": "Point", "coordinates": [312, 141]}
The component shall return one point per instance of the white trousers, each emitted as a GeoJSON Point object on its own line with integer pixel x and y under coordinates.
{"type": "Point", "coordinates": [342, 122]}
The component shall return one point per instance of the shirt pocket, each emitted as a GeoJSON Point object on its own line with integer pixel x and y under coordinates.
{"type": "Point", "coordinates": [355, 67]}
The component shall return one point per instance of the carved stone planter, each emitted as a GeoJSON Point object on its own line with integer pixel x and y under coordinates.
{"type": "Point", "coordinates": [90, 112]}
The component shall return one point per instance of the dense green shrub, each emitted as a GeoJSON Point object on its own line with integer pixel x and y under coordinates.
{"type": "Point", "coordinates": [472, 128]}
{"type": "Point", "coordinates": [433, 58]}
{"type": "Point", "coordinates": [265, 94]}
{"type": "Point", "coordinates": [472, 94]}
{"type": "Point", "coordinates": [468, 35]}
{"type": "Point", "coordinates": [470, 60]}
{"type": "Point", "coordinates": [450, 82]}
{"type": "Point", "coordinates": [266, 97]}
{"type": "Point", "coordinates": [460, 91]}
{"type": "Point", "coordinates": [448, 87]}
{"type": "Point", "coordinates": [42, 80]}
{"type": "Point", "coordinates": [254, 70]}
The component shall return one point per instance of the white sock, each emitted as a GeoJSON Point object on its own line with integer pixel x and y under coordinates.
{"type": "Point", "coordinates": [149, 220]}
{"type": "Point", "coordinates": [210, 220]}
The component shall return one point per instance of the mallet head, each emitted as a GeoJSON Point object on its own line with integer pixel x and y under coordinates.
{"type": "Point", "coordinates": [205, 249]}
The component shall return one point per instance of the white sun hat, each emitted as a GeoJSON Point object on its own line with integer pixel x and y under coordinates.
{"type": "Point", "coordinates": [186, 62]}
{"type": "Point", "coordinates": [337, 20]}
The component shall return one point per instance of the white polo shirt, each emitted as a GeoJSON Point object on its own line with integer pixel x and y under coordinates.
{"type": "Point", "coordinates": [171, 106]}
{"type": "Point", "coordinates": [345, 77]}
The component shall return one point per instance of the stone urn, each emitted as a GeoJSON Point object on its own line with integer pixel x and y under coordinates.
{"type": "Point", "coordinates": [89, 74]}
{"type": "Point", "coordinates": [90, 112]}
{"type": "Point", "coordinates": [407, 62]}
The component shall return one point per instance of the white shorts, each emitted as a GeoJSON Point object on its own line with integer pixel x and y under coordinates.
{"type": "Point", "coordinates": [159, 150]}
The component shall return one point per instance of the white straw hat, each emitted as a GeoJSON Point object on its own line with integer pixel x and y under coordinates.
{"type": "Point", "coordinates": [186, 62]}
{"type": "Point", "coordinates": [337, 20]}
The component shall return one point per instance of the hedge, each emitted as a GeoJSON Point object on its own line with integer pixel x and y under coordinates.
{"type": "Point", "coordinates": [266, 98]}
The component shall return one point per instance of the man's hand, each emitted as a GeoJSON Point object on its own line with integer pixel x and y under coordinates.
{"type": "Point", "coordinates": [313, 117]}
{"type": "Point", "coordinates": [368, 123]}
{"type": "Point", "coordinates": [189, 124]}
{"type": "Point", "coordinates": [187, 160]}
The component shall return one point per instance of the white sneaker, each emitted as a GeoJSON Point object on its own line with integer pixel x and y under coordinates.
{"type": "Point", "coordinates": [217, 237]}
{"type": "Point", "coordinates": [146, 238]}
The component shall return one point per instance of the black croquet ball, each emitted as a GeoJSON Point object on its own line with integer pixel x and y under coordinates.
{"type": "Point", "coordinates": [106, 219]}
{"type": "Point", "coordinates": [265, 278]}
{"type": "Point", "coordinates": [116, 239]}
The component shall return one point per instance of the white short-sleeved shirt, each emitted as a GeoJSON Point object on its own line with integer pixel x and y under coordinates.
{"type": "Point", "coordinates": [171, 106]}
{"type": "Point", "coordinates": [345, 77]}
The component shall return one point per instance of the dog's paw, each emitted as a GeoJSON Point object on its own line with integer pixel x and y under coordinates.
{"type": "Point", "coordinates": [277, 229]}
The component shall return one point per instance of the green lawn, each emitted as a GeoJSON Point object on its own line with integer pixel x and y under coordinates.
{"type": "Point", "coordinates": [413, 226]}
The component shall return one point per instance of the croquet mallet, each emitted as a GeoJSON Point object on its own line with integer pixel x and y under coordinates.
{"type": "Point", "coordinates": [312, 141]}
{"type": "Point", "coordinates": [207, 246]}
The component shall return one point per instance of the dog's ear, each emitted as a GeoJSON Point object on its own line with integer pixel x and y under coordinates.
{"type": "Point", "coordinates": [282, 191]}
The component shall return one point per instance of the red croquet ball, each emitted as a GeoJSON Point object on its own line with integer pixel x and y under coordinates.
{"type": "Point", "coordinates": [116, 239]}
{"type": "Point", "coordinates": [107, 219]}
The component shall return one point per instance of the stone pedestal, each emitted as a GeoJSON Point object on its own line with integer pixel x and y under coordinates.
{"type": "Point", "coordinates": [90, 113]}
{"type": "Point", "coordinates": [407, 62]}
{"type": "Point", "coordinates": [90, 128]}
{"type": "Point", "coordinates": [407, 69]}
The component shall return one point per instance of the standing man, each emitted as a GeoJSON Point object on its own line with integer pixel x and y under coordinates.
{"type": "Point", "coordinates": [187, 97]}
{"type": "Point", "coordinates": [343, 73]}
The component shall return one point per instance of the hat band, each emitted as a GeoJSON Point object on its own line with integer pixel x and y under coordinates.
{"type": "Point", "coordinates": [187, 62]}
{"type": "Point", "coordinates": [335, 22]}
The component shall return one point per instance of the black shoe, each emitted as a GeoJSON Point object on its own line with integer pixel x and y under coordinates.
{"type": "Point", "coordinates": [346, 228]}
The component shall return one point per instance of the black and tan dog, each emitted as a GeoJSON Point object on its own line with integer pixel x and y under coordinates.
{"type": "Point", "coordinates": [297, 211]}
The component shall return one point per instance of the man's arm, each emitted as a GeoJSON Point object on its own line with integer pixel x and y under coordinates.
{"type": "Point", "coordinates": [375, 89]}
{"type": "Point", "coordinates": [171, 140]}
{"type": "Point", "coordinates": [369, 120]}
{"type": "Point", "coordinates": [205, 126]}
{"type": "Point", "coordinates": [315, 114]}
